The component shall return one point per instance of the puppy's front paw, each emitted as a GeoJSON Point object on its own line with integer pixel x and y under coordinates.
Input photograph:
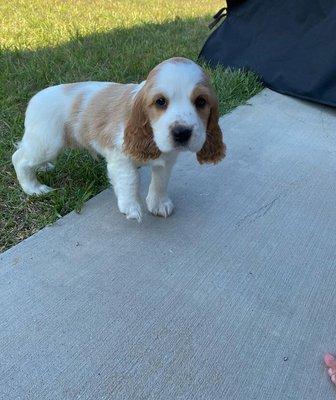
{"type": "Point", "coordinates": [162, 207]}
{"type": "Point", "coordinates": [131, 210]}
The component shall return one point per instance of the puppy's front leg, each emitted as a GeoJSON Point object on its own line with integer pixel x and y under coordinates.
{"type": "Point", "coordinates": [157, 200]}
{"type": "Point", "coordinates": [124, 178]}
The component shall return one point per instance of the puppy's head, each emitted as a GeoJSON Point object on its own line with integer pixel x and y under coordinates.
{"type": "Point", "coordinates": [176, 109]}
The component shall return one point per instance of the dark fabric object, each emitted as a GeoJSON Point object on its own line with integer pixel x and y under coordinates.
{"type": "Point", "coordinates": [290, 44]}
{"type": "Point", "coordinates": [233, 3]}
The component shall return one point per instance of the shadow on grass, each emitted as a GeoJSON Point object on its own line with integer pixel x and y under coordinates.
{"type": "Point", "coordinates": [123, 55]}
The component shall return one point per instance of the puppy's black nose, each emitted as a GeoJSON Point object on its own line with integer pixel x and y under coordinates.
{"type": "Point", "coordinates": [181, 134]}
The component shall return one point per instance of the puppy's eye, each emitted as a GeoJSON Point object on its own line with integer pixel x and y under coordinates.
{"type": "Point", "coordinates": [161, 102]}
{"type": "Point", "coordinates": [200, 102]}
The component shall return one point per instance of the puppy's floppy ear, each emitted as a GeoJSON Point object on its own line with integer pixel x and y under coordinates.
{"type": "Point", "coordinates": [213, 149]}
{"type": "Point", "coordinates": [138, 136]}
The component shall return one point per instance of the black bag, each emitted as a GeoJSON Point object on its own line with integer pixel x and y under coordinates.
{"type": "Point", "coordinates": [290, 44]}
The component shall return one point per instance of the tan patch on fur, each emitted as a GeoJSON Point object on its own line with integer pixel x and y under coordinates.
{"type": "Point", "coordinates": [105, 114]}
{"type": "Point", "coordinates": [154, 112]}
{"type": "Point", "coordinates": [69, 135]}
{"type": "Point", "coordinates": [69, 87]}
{"type": "Point", "coordinates": [204, 91]}
{"type": "Point", "coordinates": [214, 148]}
{"type": "Point", "coordinates": [138, 139]}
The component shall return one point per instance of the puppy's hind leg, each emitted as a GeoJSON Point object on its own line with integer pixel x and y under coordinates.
{"type": "Point", "coordinates": [28, 158]}
{"type": "Point", "coordinates": [25, 169]}
{"type": "Point", "coordinates": [43, 138]}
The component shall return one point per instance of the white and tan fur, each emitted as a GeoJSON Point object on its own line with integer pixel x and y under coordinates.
{"type": "Point", "coordinates": [130, 125]}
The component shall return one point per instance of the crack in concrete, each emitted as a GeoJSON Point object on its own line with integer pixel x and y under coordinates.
{"type": "Point", "coordinates": [260, 212]}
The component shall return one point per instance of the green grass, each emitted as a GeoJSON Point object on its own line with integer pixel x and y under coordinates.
{"type": "Point", "coordinates": [46, 42]}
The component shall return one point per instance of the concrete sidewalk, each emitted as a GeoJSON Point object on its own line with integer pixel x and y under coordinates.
{"type": "Point", "coordinates": [233, 297]}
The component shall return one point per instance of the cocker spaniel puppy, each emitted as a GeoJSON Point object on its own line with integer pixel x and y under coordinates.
{"type": "Point", "coordinates": [175, 109]}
